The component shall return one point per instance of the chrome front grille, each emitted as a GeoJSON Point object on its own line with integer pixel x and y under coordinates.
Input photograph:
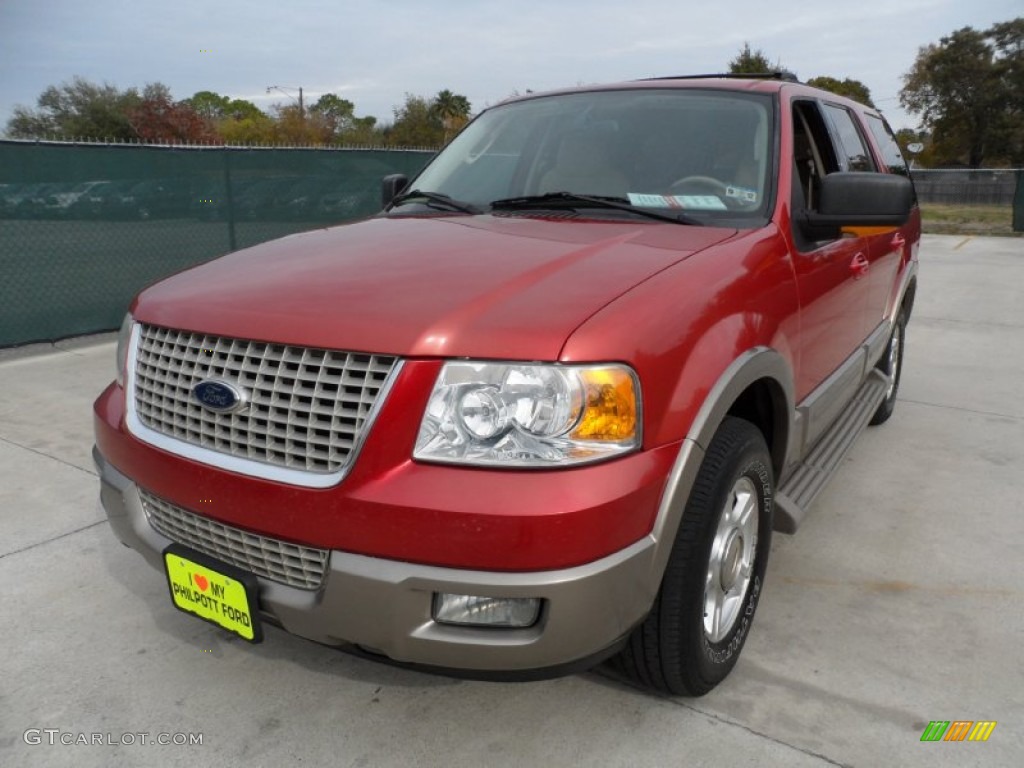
{"type": "Point", "coordinates": [273, 559]}
{"type": "Point", "coordinates": [306, 408]}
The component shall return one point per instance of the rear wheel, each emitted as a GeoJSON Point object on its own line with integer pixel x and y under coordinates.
{"type": "Point", "coordinates": [891, 364]}
{"type": "Point", "coordinates": [704, 609]}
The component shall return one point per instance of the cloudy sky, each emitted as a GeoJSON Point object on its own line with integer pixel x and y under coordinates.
{"type": "Point", "coordinates": [374, 52]}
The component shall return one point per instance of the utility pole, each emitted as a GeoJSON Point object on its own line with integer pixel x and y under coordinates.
{"type": "Point", "coordinates": [284, 89]}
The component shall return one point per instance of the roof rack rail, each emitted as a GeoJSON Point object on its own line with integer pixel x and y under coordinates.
{"type": "Point", "coordinates": [779, 75]}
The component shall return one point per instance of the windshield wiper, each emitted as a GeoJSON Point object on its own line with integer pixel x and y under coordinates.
{"type": "Point", "coordinates": [597, 201]}
{"type": "Point", "coordinates": [437, 199]}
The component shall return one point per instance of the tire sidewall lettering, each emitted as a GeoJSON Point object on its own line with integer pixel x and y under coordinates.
{"type": "Point", "coordinates": [735, 641]}
{"type": "Point", "coordinates": [723, 653]}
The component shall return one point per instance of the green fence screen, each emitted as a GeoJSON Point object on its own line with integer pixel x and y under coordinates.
{"type": "Point", "coordinates": [85, 227]}
{"type": "Point", "coordinates": [1018, 204]}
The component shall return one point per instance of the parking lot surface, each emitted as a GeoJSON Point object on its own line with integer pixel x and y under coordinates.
{"type": "Point", "coordinates": [899, 601]}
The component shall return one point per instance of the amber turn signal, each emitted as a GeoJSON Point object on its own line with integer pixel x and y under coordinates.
{"type": "Point", "coordinates": [611, 409]}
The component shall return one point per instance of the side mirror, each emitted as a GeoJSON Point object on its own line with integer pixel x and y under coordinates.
{"type": "Point", "coordinates": [858, 200]}
{"type": "Point", "coordinates": [391, 186]}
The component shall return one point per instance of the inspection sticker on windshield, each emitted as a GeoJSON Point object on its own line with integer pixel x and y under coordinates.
{"type": "Point", "coordinates": [742, 193]}
{"type": "Point", "coordinates": [693, 202]}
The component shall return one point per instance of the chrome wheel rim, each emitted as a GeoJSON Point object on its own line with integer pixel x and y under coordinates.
{"type": "Point", "coordinates": [731, 565]}
{"type": "Point", "coordinates": [894, 361]}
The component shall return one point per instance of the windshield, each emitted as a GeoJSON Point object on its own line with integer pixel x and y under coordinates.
{"type": "Point", "coordinates": [704, 153]}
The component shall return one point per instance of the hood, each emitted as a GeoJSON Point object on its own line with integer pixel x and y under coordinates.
{"type": "Point", "coordinates": [453, 286]}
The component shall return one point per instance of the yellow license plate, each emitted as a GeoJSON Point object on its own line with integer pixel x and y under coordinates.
{"type": "Point", "coordinates": [214, 591]}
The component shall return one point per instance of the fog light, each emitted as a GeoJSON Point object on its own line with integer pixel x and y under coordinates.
{"type": "Point", "coordinates": [469, 610]}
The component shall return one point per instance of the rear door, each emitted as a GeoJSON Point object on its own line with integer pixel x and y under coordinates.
{"type": "Point", "coordinates": [890, 249]}
{"type": "Point", "coordinates": [883, 247]}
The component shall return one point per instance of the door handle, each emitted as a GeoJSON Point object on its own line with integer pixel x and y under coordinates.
{"type": "Point", "coordinates": [859, 266]}
{"type": "Point", "coordinates": [898, 241]}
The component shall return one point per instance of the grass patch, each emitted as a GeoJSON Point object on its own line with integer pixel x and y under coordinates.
{"type": "Point", "coordinates": [944, 219]}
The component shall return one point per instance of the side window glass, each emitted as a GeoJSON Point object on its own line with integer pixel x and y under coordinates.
{"type": "Point", "coordinates": [813, 154]}
{"type": "Point", "coordinates": [853, 154]}
{"type": "Point", "coordinates": [886, 141]}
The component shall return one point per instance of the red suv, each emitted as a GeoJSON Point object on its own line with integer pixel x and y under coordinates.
{"type": "Point", "coordinates": [548, 405]}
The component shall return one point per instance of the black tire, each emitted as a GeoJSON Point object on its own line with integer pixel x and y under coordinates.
{"type": "Point", "coordinates": [672, 650]}
{"type": "Point", "coordinates": [891, 359]}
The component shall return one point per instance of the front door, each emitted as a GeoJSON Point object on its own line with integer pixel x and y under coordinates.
{"type": "Point", "coordinates": [832, 275]}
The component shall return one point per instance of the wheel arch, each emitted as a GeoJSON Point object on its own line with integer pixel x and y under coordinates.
{"type": "Point", "coordinates": [763, 404]}
{"type": "Point", "coordinates": [904, 292]}
{"type": "Point", "coordinates": [757, 385]}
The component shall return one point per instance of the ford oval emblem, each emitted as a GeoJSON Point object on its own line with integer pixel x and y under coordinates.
{"type": "Point", "coordinates": [219, 395]}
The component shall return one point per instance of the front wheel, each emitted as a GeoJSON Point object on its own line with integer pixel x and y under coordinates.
{"type": "Point", "coordinates": [702, 615]}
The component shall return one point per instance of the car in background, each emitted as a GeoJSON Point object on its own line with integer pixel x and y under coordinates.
{"type": "Point", "coordinates": [28, 201]}
{"type": "Point", "coordinates": [347, 200]}
{"type": "Point", "coordinates": [162, 198]}
{"type": "Point", "coordinates": [62, 203]}
{"type": "Point", "coordinates": [101, 201]}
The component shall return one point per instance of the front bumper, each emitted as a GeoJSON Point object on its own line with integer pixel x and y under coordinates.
{"type": "Point", "coordinates": [384, 606]}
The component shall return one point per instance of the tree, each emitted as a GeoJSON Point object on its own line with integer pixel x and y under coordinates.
{"type": "Point", "coordinates": [453, 111]}
{"type": "Point", "coordinates": [750, 62]}
{"type": "Point", "coordinates": [212, 106]}
{"type": "Point", "coordinates": [209, 105]}
{"type": "Point", "coordinates": [1008, 41]}
{"type": "Point", "coordinates": [236, 121]}
{"type": "Point", "coordinates": [364, 130]}
{"type": "Point", "coordinates": [336, 112]}
{"type": "Point", "coordinates": [422, 122]}
{"type": "Point", "coordinates": [298, 127]}
{"type": "Point", "coordinates": [334, 121]}
{"type": "Point", "coordinates": [968, 91]}
{"type": "Point", "coordinates": [79, 109]}
{"type": "Point", "coordinates": [417, 124]}
{"type": "Point", "coordinates": [158, 118]}
{"type": "Point", "coordinates": [259, 128]}
{"type": "Point", "coordinates": [852, 89]}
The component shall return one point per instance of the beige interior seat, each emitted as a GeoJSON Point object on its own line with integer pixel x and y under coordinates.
{"type": "Point", "coordinates": [582, 166]}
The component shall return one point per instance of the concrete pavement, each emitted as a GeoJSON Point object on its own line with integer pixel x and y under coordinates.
{"type": "Point", "coordinates": [899, 601]}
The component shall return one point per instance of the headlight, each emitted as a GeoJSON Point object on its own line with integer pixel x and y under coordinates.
{"type": "Point", "coordinates": [123, 337]}
{"type": "Point", "coordinates": [522, 415]}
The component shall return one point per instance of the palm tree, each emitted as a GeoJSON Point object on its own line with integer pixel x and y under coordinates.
{"type": "Point", "coordinates": [452, 109]}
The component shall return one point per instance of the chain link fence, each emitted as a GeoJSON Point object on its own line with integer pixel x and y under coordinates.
{"type": "Point", "coordinates": [990, 198]}
{"type": "Point", "coordinates": [83, 227]}
{"type": "Point", "coordinates": [967, 186]}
